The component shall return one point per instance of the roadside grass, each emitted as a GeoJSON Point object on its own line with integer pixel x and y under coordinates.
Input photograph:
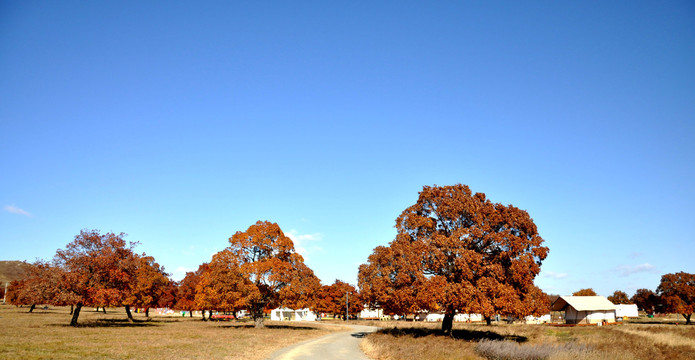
{"type": "Point", "coordinates": [45, 334]}
{"type": "Point", "coordinates": [410, 341]}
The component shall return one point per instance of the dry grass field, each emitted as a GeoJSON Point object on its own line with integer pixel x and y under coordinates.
{"type": "Point", "coordinates": [651, 341]}
{"type": "Point", "coordinates": [44, 334]}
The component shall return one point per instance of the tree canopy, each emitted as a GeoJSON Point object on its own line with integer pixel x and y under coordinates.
{"type": "Point", "coordinates": [619, 297]}
{"type": "Point", "coordinates": [147, 285]}
{"type": "Point", "coordinates": [333, 299]}
{"type": "Point", "coordinates": [458, 251]}
{"type": "Point", "coordinates": [96, 269]}
{"type": "Point", "coordinates": [585, 292]}
{"type": "Point", "coordinates": [677, 292]}
{"type": "Point", "coordinates": [187, 290]}
{"type": "Point", "coordinates": [646, 300]}
{"type": "Point", "coordinates": [260, 270]}
{"type": "Point", "coordinates": [221, 286]}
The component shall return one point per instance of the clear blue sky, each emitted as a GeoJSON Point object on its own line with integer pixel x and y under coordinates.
{"type": "Point", "coordinates": [180, 123]}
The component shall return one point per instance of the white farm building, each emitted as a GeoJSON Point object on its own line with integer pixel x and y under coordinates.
{"type": "Point", "coordinates": [626, 310]}
{"type": "Point", "coordinates": [585, 309]}
{"type": "Point", "coordinates": [371, 314]}
{"type": "Point", "coordinates": [284, 314]}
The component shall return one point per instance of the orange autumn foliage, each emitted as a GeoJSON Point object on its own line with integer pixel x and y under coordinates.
{"type": "Point", "coordinates": [186, 291]}
{"type": "Point", "coordinates": [95, 269]}
{"type": "Point", "coordinates": [148, 283]}
{"type": "Point", "coordinates": [221, 285]}
{"type": "Point", "coordinates": [585, 292]}
{"type": "Point", "coordinates": [258, 271]}
{"type": "Point", "coordinates": [332, 299]}
{"type": "Point", "coordinates": [646, 300]}
{"type": "Point", "coordinates": [619, 297]}
{"type": "Point", "coordinates": [677, 292]}
{"type": "Point", "coordinates": [458, 251]}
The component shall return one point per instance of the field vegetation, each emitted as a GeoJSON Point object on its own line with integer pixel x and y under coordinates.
{"type": "Point", "coordinates": [640, 340]}
{"type": "Point", "coordinates": [45, 334]}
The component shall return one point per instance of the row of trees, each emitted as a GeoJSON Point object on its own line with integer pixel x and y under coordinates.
{"type": "Point", "coordinates": [455, 251]}
{"type": "Point", "coordinates": [675, 294]}
{"type": "Point", "coordinates": [95, 270]}
{"type": "Point", "coordinates": [260, 270]}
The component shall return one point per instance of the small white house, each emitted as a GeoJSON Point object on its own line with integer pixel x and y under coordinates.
{"type": "Point", "coordinates": [544, 319]}
{"type": "Point", "coordinates": [585, 309]}
{"type": "Point", "coordinates": [434, 317]}
{"type": "Point", "coordinates": [457, 317]}
{"type": "Point", "coordinates": [626, 310]}
{"type": "Point", "coordinates": [468, 317]}
{"type": "Point", "coordinates": [285, 314]}
{"type": "Point", "coordinates": [371, 314]}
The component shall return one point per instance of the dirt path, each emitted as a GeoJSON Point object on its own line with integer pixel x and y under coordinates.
{"type": "Point", "coordinates": [338, 346]}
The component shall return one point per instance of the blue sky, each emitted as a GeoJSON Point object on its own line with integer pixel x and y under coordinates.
{"type": "Point", "coordinates": [182, 123]}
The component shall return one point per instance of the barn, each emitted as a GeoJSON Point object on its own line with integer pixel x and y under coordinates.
{"type": "Point", "coordinates": [585, 309]}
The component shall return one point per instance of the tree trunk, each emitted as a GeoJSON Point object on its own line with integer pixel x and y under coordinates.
{"type": "Point", "coordinates": [72, 308]}
{"type": "Point", "coordinates": [257, 313]}
{"type": "Point", "coordinates": [76, 314]}
{"type": "Point", "coordinates": [127, 311]}
{"type": "Point", "coordinates": [687, 318]}
{"type": "Point", "coordinates": [103, 309]}
{"type": "Point", "coordinates": [203, 311]}
{"type": "Point", "coordinates": [448, 322]}
{"type": "Point", "coordinates": [190, 313]}
{"type": "Point", "coordinates": [147, 312]}
{"type": "Point", "coordinates": [488, 320]}
{"type": "Point", "coordinates": [258, 322]}
{"type": "Point", "coordinates": [33, 306]}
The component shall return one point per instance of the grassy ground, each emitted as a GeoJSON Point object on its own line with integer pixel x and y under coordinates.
{"type": "Point", "coordinates": [44, 334]}
{"type": "Point", "coordinates": [651, 341]}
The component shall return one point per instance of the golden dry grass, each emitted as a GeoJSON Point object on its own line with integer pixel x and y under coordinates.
{"type": "Point", "coordinates": [661, 337]}
{"type": "Point", "coordinates": [409, 340]}
{"type": "Point", "coordinates": [44, 334]}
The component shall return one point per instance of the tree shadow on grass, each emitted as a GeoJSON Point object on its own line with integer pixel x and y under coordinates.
{"type": "Point", "coordinates": [460, 334]}
{"type": "Point", "coordinates": [657, 322]}
{"type": "Point", "coordinates": [279, 327]}
{"type": "Point", "coordinates": [114, 323]}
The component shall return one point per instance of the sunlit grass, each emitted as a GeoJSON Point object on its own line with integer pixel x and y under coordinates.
{"type": "Point", "coordinates": [410, 341]}
{"type": "Point", "coordinates": [44, 334]}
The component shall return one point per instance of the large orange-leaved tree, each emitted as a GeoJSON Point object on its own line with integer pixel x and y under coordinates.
{"type": "Point", "coordinates": [457, 251]}
{"type": "Point", "coordinates": [148, 284]}
{"type": "Point", "coordinates": [273, 273]}
{"type": "Point", "coordinates": [221, 286]}
{"type": "Point", "coordinates": [677, 293]}
{"type": "Point", "coordinates": [95, 269]}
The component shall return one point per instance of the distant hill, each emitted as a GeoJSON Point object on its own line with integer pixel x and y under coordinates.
{"type": "Point", "coordinates": [12, 270]}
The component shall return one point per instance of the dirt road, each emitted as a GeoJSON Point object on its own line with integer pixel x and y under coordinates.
{"type": "Point", "coordinates": [338, 346]}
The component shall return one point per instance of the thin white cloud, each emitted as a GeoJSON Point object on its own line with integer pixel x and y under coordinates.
{"type": "Point", "coordinates": [303, 242]}
{"type": "Point", "coordinates": [180, 273]}
{"type": "Point", "coordinates": [554, 275]}
{"type": "Point", "coordinates": [626, 270]}
{"type": "Point", "coordinates": [15, 210]}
